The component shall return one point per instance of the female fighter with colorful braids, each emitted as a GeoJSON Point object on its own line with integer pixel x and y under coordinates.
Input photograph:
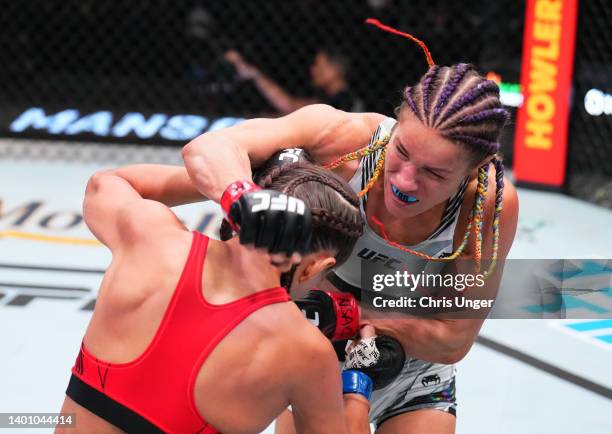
{"type": "Point", "coordinates": [423, 179]}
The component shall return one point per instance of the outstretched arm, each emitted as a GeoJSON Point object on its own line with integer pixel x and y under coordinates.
{"type": "Point", "coordinates": [318, 405]}
{"type": "Point", "coordinates": [282, 100]}
{"type": "Point", "coordinates": [372, 362]}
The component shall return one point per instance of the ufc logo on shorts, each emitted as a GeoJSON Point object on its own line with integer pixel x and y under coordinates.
{"type": "Point", "coordinates": [281, 202]}
{"type": "Point", "coordinates": [292, 154]}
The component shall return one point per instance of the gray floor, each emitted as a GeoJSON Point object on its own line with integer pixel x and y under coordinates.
{"type": "Point", "coordinates": [525, 376]}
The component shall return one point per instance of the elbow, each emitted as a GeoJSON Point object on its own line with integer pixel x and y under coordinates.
{"type": "Point", "coordinates": [193, 153]}
{"type": "Point", "coordinates": [189, 151]}
{"type": "Point", "coordinates": [94, 193]}
{"type": "Point", "coordinates": [196, 160]}
{"type": "Point", "coordinates": [456, 350]}
{"type": "Point", "coordinates": [192, 157]}
{"type": "Point", "coordinates": [455, 346]}
{"type": "Point", "coordinates": [97, 181]}
{"type": "Point", "coordinates": [195, 156]}
{"type": "Point", "coordinates": [452, 356]}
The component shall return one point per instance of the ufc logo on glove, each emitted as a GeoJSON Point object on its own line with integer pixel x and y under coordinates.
{"type": "Point", "coordinates": [281, 202]}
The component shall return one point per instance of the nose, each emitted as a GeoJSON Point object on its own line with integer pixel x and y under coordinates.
{"type": "Point", "coordinates": [407, 180]}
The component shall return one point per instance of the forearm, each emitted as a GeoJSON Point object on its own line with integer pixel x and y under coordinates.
{"type": "Point", "coordinates": [438, 341]}
{"type": "Point", "coordinates": [169, 185]}
{"type": "Point", "coordinates": [277, 96]}
{"type": "Point", "coordinates": [214, 162]}
{"type": "Point", "coordinates": [356, 408]}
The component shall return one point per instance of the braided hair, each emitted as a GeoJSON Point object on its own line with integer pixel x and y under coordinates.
{"type": "Point", "coordinates": [464, 108]}
{"type": "Point", "coordinates": [336, 218]}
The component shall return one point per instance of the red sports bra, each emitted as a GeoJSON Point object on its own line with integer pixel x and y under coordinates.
{"type": "Point", "coordinates": [155, 392]}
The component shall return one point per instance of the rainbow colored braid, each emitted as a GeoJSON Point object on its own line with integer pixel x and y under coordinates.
{"type": "Point", "coordinates": [481, 194]}
{"type": "Point", "coordinates": [499, 180]}
{"type": "Point", "coordinates": [360, 153]}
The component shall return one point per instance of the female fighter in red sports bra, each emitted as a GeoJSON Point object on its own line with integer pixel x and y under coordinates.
{"type": "Point", "coordinates": [194, 335]}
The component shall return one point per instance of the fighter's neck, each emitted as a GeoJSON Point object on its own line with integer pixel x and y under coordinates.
{"type": "Point", "coordinates": [250, 269]}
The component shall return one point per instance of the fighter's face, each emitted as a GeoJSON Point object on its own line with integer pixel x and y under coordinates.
{"type": "Point", "coordinates": [422, 169]}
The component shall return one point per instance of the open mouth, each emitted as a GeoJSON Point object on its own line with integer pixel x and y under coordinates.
{"type": "Point", "coordinates": [406, 198]}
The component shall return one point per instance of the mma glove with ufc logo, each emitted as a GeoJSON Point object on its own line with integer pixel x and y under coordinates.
{"type": "Point", "coordinates": [267, 219]}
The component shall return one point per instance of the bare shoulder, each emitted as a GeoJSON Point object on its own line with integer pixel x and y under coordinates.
{"type": "Point", "coordinates": [288, 332]}
{"type": "Point", "coordinates": [510, 198]}
{"type": "Point", "coordinates": [148, 221]}
{"type": "Point", "coordinates": [348, 132]}
{"type": "Point", "coordinates": [508, 219]}
{"type": "Point", "coordinates": [311, 340]}
{"type": "Point", "coordinates": [315, 354]}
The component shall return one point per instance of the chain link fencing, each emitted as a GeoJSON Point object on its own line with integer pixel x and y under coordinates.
{"type": "Point", "coordinates": [590, 135]}
{"type": "Point", "coordinates": [168, 56]}
{"type": "Point", "coordinates": [164, 56]}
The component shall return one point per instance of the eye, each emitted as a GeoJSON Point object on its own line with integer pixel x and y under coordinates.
{"type": "Point", "coordinates": [436, 175]}
{"type": "Point", "coordinates": [402, 152]}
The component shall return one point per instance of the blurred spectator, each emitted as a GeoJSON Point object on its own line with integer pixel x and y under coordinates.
{"type": "Point", "coordinates": [328, 73]}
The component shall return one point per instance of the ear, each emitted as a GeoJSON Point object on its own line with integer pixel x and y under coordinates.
{"type": "Point", "coordinates": [318, 265]}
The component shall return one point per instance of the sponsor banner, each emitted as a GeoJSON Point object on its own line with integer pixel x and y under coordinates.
{"type": "Point", "coordinates": [598, 103]}
{"type": "Point", "coordinates": [69, 123]}
{"type": "Point", "coordinates": [540, 152]}
{"type": "Point", "coordinates": [542, 288]}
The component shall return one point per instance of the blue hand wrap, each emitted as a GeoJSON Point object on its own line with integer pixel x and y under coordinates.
{"type": "Point", "coordinates": [356, 382]}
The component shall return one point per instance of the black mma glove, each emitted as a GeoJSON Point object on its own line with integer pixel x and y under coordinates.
{"type": "Point", "coordinates": [335, 314]}
{"type": "Point", "coordinates": [267, 218]}
{"type": "Point", "coordinates": [381, 358]}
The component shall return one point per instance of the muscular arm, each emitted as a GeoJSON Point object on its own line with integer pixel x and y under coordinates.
{"type": "Point", "coordinates": [216, 159]}
{"type": "Point", "coordinates": [282, 100]}
{"type": "Point", "coordinates": [438, 341]}
{"type": "Point", "coordinates": [318, 405]}
{"type": "Point", "coordinates": [356, 410]}
{"type": "Point", "coordinates": [169, 185]}
{"type": "Point", "coordinates": [126, 200]}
